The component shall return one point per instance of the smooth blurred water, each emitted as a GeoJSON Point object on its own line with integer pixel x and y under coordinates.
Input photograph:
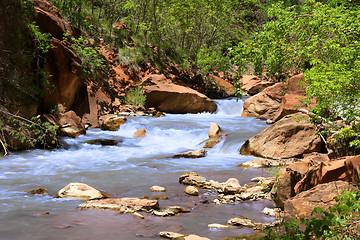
{"type": "Point", "coordinates": [129, 169]}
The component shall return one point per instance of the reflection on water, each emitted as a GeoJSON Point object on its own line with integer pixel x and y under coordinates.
{"type": "Point", "coordinates": [129, 169]}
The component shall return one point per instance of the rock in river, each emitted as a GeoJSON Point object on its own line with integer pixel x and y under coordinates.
{"type": "Point", "coordinates": [80, 191]}
{"type": "Point", "coordinates": [111, 122]}
{"type": "Point", "coordinates": [122, 204]}
{"type": "Point", "coordinates": [191, 190]}
{"type": "Point", "coordinates": [192, 154]}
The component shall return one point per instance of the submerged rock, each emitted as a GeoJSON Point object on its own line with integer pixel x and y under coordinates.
{"type": "Point", "coordinates": [171, 235]}
{"type": "Point", "coordinates": [80, 191]}
{"type": "Point", "coordinates": [140, 133]}
{"type": "Point", "coordinates": [38, 190]}
{"type": "Point", "coordinates": [192, 154]}
{"type": "Point", "coordinates": [103, 142]}
{"type": "Point", "coordinates": [170, 211]}
{"type": "Point", "coordinates": [217, 225]}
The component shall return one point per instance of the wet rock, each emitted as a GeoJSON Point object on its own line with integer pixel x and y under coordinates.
{"type": "Point", "coordinates": [111, 122]}
{"type": "Point", "coordinates": [171, 235]}
{"type": "Point", "coordinates": [168, 97]}
{"type": "Point", "coordinates": [211, 142]}
{"type": "Point", "coordinates": [70, 125]}
{"type": "Point", "coordinates": [322, 195]}
{"type": "Point", "coordinates": [140, 133]}
{"type": "Point", "coordinates": [295, 136]}
{"type": "Point", "coordinates": [161, 197]}
{"type": "Point", "coordinates": [170, 211]}
{"type": "Point", "coordinates": [38, 190]}
{"type": "Point", "coordinates": [232, 186]}
{"type": "Point", "coordinates": [192, 154]}
{"type": "Point", "coordinates": [192, 178]}
{"type": "Point", "coordinates": [102, 141]}
{"type": "Point", "coordinates": [80, 191]}
{"type": "Point", "coordinates": [214, 130]}
{"type": "Point", "coordinates": [274, 212]}
{"type": "Point", "coordinates": [195, 237]}
{"type": "Point", "coordinates": [243, 222]}
{"type": "Point", "coordinates": [214, 185]}
{"type": "Point", "coordinates": [217, 225]}
{"type": "Point", "coordinates": [157, 189]}
{"type": "Point", "coordinates": [122, 205]}
{"type": "Point", "coordinates": [191, 190]}
{"type": "Point", "coordinates": [267, 163]}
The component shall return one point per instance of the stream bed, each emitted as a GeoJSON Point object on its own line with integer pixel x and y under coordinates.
{"type": "Point", "coordinates": [129, 169]}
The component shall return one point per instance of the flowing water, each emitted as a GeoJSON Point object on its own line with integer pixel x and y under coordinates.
{"type": "Point", "coordinates": [129, 170]}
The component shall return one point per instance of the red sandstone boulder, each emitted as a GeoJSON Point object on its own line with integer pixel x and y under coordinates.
{"type": "Point", "coordinates": [277, 100]}
{"type": "Point", "coordinates": [323, 195]}
{"type": "Point", "coordinates": [252, 85]}
{"type": "Point", "coordinates": [287, 180]}
{"type": "Point", "coordinates": [70, 124]}
{"type": "Point", "coordinates": [165, 96]}
{"type": "Point", "coordinates": [225, 85]}
{"type": "Point", "coordinates": [345, 169]}
{"type": "Point", "coordinates": [292, 136]}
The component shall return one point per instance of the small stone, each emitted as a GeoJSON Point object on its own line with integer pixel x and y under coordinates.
{"type": "Point", "coordinates": [157, 189]}
{"type": "Point", "coordinates": [192, 154]}
{"type": "Point", "coordinates": [171, 235]}
{"type": "Point", "coordinates": [136, 214]}
{"type": "Point", "coordinates": [275, 212]}
{"type": "Point", "coordinates": [39, 190]}
{"type": "Point", "coordinates": [217, 225]}
{"type": "Point", "coordinates": [111, 122]}
{"type": "Point", "coordinates": [192, 178]}
{"type": "Point", "coordinates": [191, 190]}
{"type": "Point", "coordinates": [214, 130]}
{"type": "Point", "coordinates": [170, 211]}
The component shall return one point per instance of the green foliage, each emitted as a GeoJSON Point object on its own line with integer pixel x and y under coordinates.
{"type": "Point", "coordinates": [135, 97]}
{"type": "Point", "coordinates": [340, 222]}
{"type": "Point", "coordinates": [42, 40]}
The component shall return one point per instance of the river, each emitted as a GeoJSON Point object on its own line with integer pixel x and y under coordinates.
{"type": "Point", "coordinates": [129, 170]}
